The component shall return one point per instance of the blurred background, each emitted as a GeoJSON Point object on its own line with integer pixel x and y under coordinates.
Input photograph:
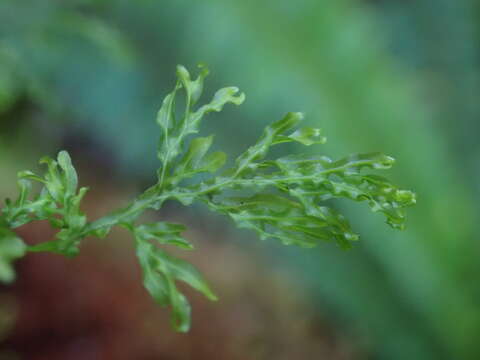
{"type": "Point", "coordinates": [400, 77]}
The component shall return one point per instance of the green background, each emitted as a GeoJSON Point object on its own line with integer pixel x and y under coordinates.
{"type": "Point", "coordinates": [400, 77]}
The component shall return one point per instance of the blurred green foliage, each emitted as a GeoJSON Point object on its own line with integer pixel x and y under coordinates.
{"type": "Point", "coordinates": [387, 76]}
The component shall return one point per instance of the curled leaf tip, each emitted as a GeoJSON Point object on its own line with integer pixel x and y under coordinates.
{"type": "Point", "coordinates": [182, 72]}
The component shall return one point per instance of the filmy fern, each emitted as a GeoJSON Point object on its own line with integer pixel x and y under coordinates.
{"type": "Point", "coordinates": [282, 198]}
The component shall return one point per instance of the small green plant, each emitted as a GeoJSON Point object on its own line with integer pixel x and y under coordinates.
{"type": "Point", "coordinates": [282, 198]}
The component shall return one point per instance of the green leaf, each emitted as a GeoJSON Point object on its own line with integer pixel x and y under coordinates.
{"type": "Point", "coordinates": [221, 97]}
{"type": "Point", "coordinates": [271, 135]}
{"type": "Point", "coordinates": [70, 178]}
{"type": "Point", "coordinates": [279, 217]}
{"type": "Point", "coordinates": [23, 210]}
{"type": "Point", "coordinates": [26, 174]}
{"type": "Point", "coordinates": [195, 160]}
{"type": "Point", "coordinates": [160, 271]}
{"type": "Point", "coordinates": [181, 315]}
{"type": "Point", "coordinates": [176, 128]}
{"type": "Point", "coordinates": [308, 136]}
{"type": "Point", "coordinates": [194, 155]}
{"type": "Point", "coordinates": [194, 88]}
{"type": "Point", "coordinates": [11, 248]}
{"type": "Point", "coordinates": [64, 244]}
{"type": "Point", "coordinates": [164, 233]}
{"type": "Point", "coordinates": [184, 271]}
{"type": "Point", "coordinates": [53, 180]}
{"type": "Point", "coordinates": [59, 203]}
{"type": "Point", "coordinates": [304, 183]}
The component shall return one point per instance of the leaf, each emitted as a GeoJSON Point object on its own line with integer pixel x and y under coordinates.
{"type": "Point", "coordinates": [58, 202]}
{"type": "Point", "coordinates": [160, 271]}
{"type": "Point", "coordinates": [194, 88]}
{"type": "Point", "coordinates": [271, 135]}
{"type": "Point", "coordinates": [26, 174]}
{"type": "Point", "coordinates": [63, 245]}
{"type": "Point", "coordinates": [164, 233]}
{"type": "Point", "coordinates": [23, 210]}
{"type": "Point", "coordinates": [274, 216]}
{"type": "Point", "coordinates": [11, 248]}
{"type": "Point", "coordinates": [154, 282]}
{"type": "Point", "coordinates": [53, 180]}
{"type": "Point", "coordinates": [184, 271]}
{"type": "Point", "coordinates": [70, 178]}
{"type": "Point", "coordinates": [193, 157]}
{"type": "Point", "coordinates": [176, 128]}
{"type": "Point", "coordinates": [194, 161]}
{"type": "Point", "coordinates": [305, 183]}
{"type": "Point", "coordinates": [308, 136]}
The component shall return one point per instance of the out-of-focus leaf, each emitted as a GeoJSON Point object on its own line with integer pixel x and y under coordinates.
{"type": "Point", "coordinates": [11, 248]}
